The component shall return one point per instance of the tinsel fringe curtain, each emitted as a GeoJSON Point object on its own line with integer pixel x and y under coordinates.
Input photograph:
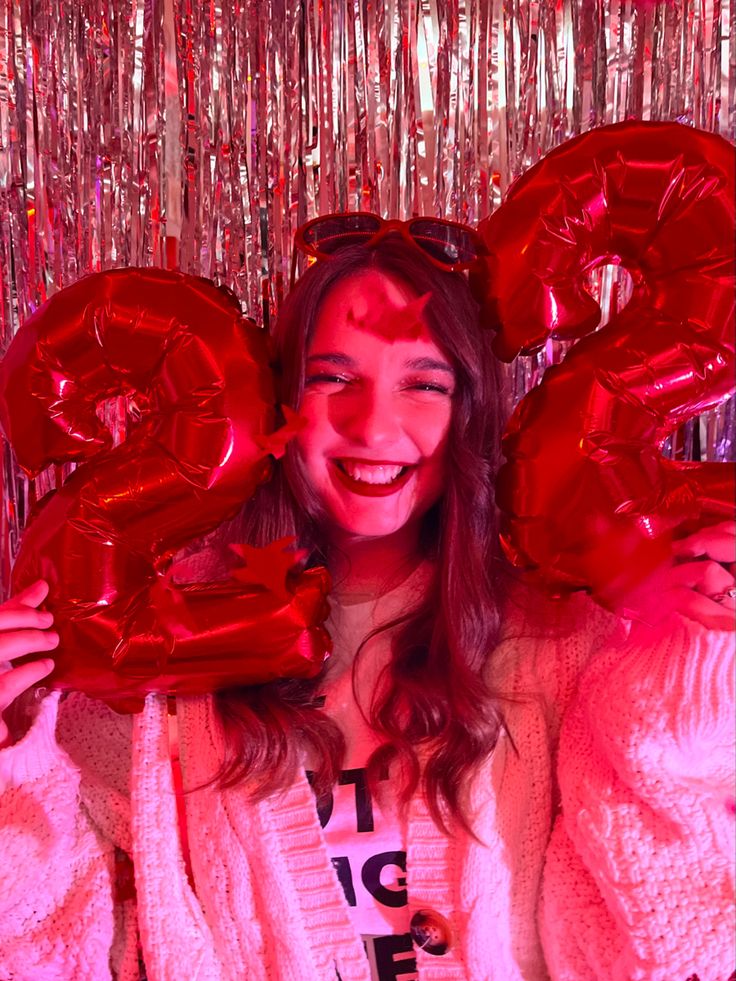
{"type": "Point", "coordinates": [198, 134]}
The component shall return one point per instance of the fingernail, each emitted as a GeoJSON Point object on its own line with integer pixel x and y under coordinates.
{"type": "Point", "coordinates": [53, 638]}
{"type": "Point", "coordinates": [46, 618]}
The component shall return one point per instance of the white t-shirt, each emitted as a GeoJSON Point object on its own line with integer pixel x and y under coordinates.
{"type": "Point", "coordinates": [366, 837]}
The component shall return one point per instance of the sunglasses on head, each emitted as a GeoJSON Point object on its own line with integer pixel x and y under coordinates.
{"type": "Point", "coordinates": [446, 244]}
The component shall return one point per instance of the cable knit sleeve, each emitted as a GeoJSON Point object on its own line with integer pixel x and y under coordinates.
{"type": "Point", "coordinates": [56, 909]}
{"type": "Point", "coordinates": [639, 876]}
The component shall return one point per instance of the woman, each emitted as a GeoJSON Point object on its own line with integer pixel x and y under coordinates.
{"type": "Point", "coordinates": [430, 738]}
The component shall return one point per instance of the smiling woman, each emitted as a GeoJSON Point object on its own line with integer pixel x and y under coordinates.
{"type": "Point", "coordinates": [391, 478]}
{"type": "Point", "coordinates": [389, 483]}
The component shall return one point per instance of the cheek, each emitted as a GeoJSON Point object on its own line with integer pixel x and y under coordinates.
{"type": "Point", "coordinates": [438, 465]}
{"type": "Point", "coordinates": [432, 430]}
{"type": "Point", "coordinates": [313, 437]}
{"type": "Point", "coordinates": [436, 453]}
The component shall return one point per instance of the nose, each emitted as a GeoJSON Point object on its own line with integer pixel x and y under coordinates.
{"type": "Point", "coordinates": [369, 419]}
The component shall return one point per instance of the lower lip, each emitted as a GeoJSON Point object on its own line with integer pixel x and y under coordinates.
{"type": "Point", "coordinates": [371, 490]}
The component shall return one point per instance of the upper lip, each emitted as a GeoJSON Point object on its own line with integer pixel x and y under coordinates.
{"type": "Point", "coordinates": [372, 463]}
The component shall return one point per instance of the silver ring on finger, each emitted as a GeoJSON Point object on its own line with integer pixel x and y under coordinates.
{"type": "Point", "coordinates": [726, 594]}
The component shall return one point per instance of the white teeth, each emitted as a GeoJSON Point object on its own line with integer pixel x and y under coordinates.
{"type": "Point", "coordinates": [372, 473]}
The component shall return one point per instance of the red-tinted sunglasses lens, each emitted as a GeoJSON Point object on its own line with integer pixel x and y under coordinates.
{"type": "Point", "coordinates": [327, 235]}
{"type": "Point", "coordinates": [450, 244]}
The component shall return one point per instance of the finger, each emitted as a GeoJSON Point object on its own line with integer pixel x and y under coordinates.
{"type": "Point", "coordinates": [723, 529]}
{"type": "Point", "coordinates": [705, 576]}
{"type": "Point", "coordinates": [716, 541]}
{"type": "Point", "coordinates": [32, 595]}
{"type": "Point", "coordinates": [20, 679]}
{"type": "Point", "coordinates": [19, 617]}
{"type": "Point", "coordinates": [20, 642]}
{"type": "Point", "coordinates": [702, 609]}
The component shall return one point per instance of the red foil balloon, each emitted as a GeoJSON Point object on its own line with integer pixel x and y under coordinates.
{"type": "Point", "coordinates": [198, 373]}
{"type": "Point", "coordinates": [588, 499]}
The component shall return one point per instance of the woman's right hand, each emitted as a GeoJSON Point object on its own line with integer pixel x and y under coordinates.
{"type": "Point", "coordinates": [24, 629]}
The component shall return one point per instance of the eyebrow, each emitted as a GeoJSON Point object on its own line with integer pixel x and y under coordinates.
{"type": "Point", "coordinates": [417, 364]}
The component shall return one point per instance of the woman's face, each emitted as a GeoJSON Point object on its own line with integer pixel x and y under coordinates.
{"type": "Point", "coordinates": [377, 409]}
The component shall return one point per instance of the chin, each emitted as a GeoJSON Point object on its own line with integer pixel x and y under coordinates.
{"type": "Point", "coordinates": [369, 522]}
{"type": "Point", "coordinates": [368, 528]}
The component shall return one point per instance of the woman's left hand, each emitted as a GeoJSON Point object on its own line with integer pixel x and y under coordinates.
{"type": "Point", "coordinates": [702, 579]}
{"type": "Point", "coordinates": [698, 584]}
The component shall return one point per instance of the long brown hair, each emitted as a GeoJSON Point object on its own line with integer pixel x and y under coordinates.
{"type": "Point", "coordinates": [434, 700]}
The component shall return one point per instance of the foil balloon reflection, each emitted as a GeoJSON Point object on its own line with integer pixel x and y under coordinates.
{"type": "Point", "coordinates": [588, 499]}
{"type": "Point", "coordinates": [198, 374]}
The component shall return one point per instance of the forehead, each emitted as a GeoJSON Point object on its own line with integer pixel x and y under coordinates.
{"type": "Point", "coordinates": [345, 319]}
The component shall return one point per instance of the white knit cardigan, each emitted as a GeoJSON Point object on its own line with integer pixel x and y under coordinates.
{"type": "Point", "coordinates": [631, 851]}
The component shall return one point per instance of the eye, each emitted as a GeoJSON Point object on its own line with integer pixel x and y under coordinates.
{"type": "Point", "coordinates": [326, 379]}
{"type": "Point", "coordinates": [422, 385]}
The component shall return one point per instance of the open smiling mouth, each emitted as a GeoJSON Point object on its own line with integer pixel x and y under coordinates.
{"type": "Point", "coordinates": [374, 480]}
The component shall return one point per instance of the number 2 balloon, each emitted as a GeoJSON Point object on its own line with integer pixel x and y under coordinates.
{"type": "Point", "coordinates": [587, 497]}
{"type": "Point", "coordinates": [199, 376]}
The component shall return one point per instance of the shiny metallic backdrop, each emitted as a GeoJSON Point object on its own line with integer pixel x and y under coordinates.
{"type": "Point", "coordinates": [199, 135]}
